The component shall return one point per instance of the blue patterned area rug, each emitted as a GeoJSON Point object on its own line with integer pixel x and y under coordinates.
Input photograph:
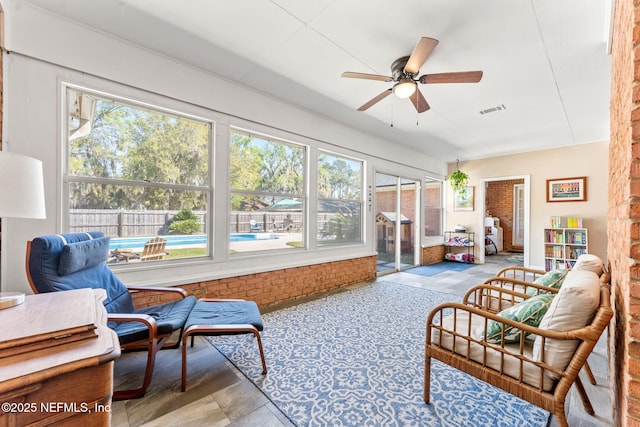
{"type": "Point", "coordinates": [430, 270]}
{"type": "Point", "coordinates": [356, 358]}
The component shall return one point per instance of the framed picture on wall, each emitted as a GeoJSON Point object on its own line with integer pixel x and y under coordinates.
{"type": "Point", "coordinates": [463, 200]}
{"type": "Point", "coordinates": [567, 189]}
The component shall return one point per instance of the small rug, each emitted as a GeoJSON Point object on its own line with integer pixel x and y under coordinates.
{"type": "Point", "coordinates": [356, 358]}
{"type": "Point", "coordinates": [430, 270]}
{"type": "Point", "coordinates": [515, 259]}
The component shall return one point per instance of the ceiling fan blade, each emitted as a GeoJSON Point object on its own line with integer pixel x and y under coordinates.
{"type": "Point", "coordinates": [419, 102]}
{"type": "Point", "coordinates": [459, 77]}
{"type": "Point", "coordinates": [420, 54]}
{"type": "Point", "coordinates": [375, 100]}
{"type": "Point", "coordinates": [353, 75]}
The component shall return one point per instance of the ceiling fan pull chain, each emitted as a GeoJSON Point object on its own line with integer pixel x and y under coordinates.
{"type": "Point", "coordinates": [392, 104]}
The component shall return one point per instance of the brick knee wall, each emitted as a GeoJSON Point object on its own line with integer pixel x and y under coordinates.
{"type": "Point", "coordinates": [432, 254]}
{"type": "Point", "coordinates": [278, 286]}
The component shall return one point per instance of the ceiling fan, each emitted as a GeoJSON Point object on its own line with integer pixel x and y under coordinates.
{"type": "Point", "coordinates": [404, 73]}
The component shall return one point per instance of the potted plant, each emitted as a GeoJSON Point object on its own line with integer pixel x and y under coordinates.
{"type": "Point", "coordinates": [458, 180]}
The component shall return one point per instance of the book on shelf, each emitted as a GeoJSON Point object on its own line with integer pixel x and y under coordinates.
{"type": "Point", "coordinates": [570, 222]}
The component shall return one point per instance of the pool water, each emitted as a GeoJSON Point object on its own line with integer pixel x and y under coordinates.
{"type": "Point", "coordinates": [137, 243]}
{"type": "Point", "coordinates": [244, 237]}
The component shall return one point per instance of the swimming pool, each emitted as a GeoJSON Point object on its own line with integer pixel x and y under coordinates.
{"type": "Point", "coordinates": [244, 237]}
{"type": "Point", "coordinates": [137, 243]}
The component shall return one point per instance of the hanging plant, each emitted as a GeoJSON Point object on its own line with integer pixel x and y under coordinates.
{"type": "Point", "coordinates": [458, 179]}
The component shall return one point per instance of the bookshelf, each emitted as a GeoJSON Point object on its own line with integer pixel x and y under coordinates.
{"type": "Point", "coordinates": [563, 246]}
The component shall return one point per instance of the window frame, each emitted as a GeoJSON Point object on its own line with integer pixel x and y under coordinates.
{"type": "Point", "coordinates": [438, 238]}
{"type": "Point", "coordinates": [304, 196]}
{"type": "Point", "coordinates": [158, 105]}
{"type": "Point", "coordinates": [360, 200]}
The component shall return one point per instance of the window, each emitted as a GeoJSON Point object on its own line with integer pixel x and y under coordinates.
{"type": "Point", "coordinates": [339, 200]}
{"type": "Point", "coordinates": [136, 172]}
{"type": "Point", "coordinates": [433, 209]}
{"type": "Point", "coordinates": [267, 182]}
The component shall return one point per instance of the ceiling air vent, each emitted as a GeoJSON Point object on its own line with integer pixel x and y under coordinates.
{"type": "Point", "coordinates": [494, 109]}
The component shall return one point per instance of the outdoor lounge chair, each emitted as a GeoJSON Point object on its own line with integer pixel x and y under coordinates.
{"type": "Point", "coordinates": [70, 261]}
{"type": "Point", "coordinates": [255, 227]}
{"type": "Point", "coordinates": [154, 249]}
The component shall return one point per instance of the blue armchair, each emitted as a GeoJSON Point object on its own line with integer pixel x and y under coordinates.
{"type": "Point", "coordinates": [71, 261]}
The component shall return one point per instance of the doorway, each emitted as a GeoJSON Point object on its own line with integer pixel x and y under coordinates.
{"type": "Point", "coordinates": [506, 204]}
{"type": "Point", "coordinates": [518, 216]}
{"type": "Point", "coordinates": [396, 221]}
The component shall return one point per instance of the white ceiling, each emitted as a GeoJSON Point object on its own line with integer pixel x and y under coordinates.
{"type": "Point", "coordinates": [545, 61]}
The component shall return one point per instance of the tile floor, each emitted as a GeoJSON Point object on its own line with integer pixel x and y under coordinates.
{"type": "Point", "coordinates": [219, 395]}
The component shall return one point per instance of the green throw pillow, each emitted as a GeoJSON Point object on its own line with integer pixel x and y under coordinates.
{"type": "Point", "coordinates": [551, 279]}
{"type": "Point", "coordinates": [529, 312]}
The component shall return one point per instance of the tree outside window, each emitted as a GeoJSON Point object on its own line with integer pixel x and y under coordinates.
{"type": "Point", "coordinates": [132, 170]}
{"type": "Point", "coordinates": [267, 197]}
{"type": "Point", "coordinates": [339, 200]}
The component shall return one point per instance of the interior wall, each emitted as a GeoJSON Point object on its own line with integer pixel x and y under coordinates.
{"type": "Point", "coordinates": [590, 160]}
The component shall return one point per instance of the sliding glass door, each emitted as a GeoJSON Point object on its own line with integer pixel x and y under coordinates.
{"type": "Point", "coordinates": [397, 217]}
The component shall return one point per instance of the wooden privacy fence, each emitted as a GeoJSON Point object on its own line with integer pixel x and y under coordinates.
{"type": "Point", "coordinates": [152, 223]}
{"type": "Point", "coordinates": [240, 222]}
{"type": "Point", "coordinates": [125, 223]}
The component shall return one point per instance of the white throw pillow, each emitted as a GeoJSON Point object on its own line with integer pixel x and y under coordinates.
{"type": "Point", "coordinates": [573, 307]}
{"type": "Point", "coordinates": [589, 262]}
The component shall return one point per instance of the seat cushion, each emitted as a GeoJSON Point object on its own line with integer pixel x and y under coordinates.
{"type": "Point", "coordinates": [573, 307]}
{"type": "Point", "coordinates": [169, 316]}
{"type": "Point", "coordinates": [509, 365]}
{"type": "Point", "coordinates": [225, 313]}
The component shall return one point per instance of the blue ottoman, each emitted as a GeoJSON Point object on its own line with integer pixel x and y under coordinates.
{"type": "Point", "coordinates": [222, 317]}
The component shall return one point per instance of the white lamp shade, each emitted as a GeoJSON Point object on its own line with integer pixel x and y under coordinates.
{"type": "Point", "coordinates": [21, 187]}
{"type": "Point", "coordinates": [404, 88]}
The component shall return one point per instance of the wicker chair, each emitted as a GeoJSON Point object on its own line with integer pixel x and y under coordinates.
{"type": "Point", "coordinates": [531, 369]}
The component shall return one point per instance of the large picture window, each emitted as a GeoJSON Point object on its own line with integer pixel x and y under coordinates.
{"type": "Point", "coordinates": [339, 200]}
{"type": "Point", "coordinates": [267, 190]}
{"type": "Point", "coordinates": [137, 172]}
{"type": "Point", "coordinates": [433, 209]}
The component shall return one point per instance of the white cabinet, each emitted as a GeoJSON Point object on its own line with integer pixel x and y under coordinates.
{"type": "Point", "coordinates": [563, 246]}
{"type": "Point", "coordinates": [493, 232]}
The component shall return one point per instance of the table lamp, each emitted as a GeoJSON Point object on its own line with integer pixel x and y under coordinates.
{"type": "Point", "coordinates": [21, 196]}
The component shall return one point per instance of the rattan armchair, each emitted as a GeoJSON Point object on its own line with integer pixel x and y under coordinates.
{"type": "Point", "coordinates": [528, 368]}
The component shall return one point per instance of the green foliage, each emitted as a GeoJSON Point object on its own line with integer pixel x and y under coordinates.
{"type": "Point", "coordinates": [338, 178]}
{"type": "Point", "coordinates": [264, 166]}
{"type": "Point", "coordinates": [185, 222]}
{"type": "Point", "coordinates": [344, 227]}
{"type": "Point", "coordinates": [185, 214]}
{"type": "Point", "coordinates": [458, 180]}
{"type": "Point", "coordinates": [139, 146]}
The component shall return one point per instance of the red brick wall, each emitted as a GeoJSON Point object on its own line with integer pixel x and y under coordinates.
{"type": "Point", "coordinates": [624, 215]}
{"type": "Point", "coordinates": [432, 254]}
{"type": "Point", "coordinates": [279, 286]}
{"type": "Point", "coordinates": [499, 202]}
{"type": "Point", "coordinates": [386, 202]}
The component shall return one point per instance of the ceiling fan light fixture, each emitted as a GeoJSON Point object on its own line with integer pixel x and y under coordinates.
{"type": "Point", "coordinates": [404, 88]}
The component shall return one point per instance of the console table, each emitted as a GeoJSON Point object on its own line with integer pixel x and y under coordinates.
{"type": "Point", "coordinates": [56, 360]}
